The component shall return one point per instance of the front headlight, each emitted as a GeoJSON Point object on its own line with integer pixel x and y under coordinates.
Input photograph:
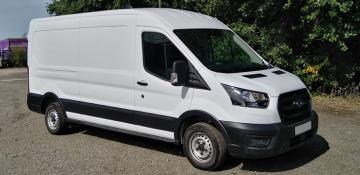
{"type": "Point", "coordinates": [247, 98]}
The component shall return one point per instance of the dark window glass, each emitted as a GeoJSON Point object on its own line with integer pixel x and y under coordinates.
{"type": "Point", "coordinates": [221, 50]}
{"type": "Point", "coordinates": [159, 54]}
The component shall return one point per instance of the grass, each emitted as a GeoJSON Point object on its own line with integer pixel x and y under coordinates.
{"type": "Point", "coordinates": [337, 104]}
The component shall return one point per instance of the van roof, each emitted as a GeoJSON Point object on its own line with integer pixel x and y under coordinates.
{"type": "Point", "coordinates": [174, 18]}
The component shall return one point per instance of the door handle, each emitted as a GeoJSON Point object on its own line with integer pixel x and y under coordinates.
{"type": "Point", "coordinates": [142, 83]}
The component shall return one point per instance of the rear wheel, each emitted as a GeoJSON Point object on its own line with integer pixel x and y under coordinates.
{"type": "Point", "coordinates": [55, 119]}
{"type": "Point", "coordinates": [204, 146]}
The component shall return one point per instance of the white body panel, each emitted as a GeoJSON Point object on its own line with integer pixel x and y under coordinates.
{"type": "Point", "coordinates": [106, 61]}
{"type": "Point", "coordinates": [97, 58]}
{"type": "Point", "coordinates": [52, 58]}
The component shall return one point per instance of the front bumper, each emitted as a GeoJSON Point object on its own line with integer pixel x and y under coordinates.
{"type": "Point", "coordinates": [280, 138]}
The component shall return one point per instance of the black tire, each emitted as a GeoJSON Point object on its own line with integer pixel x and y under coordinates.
{"type": "Point", "coordinates": [55, 119]}
{"type": "Point", "coordinates": [198, 139]}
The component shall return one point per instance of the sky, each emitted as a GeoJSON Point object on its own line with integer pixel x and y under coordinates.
{"type": "Point", "coordinates": [15, 16]}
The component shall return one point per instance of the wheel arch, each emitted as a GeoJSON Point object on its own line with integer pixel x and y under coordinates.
{"type": "Point", "coordinates": [194, 116]}
{"type": "Point", "coordinates": [47, 98]}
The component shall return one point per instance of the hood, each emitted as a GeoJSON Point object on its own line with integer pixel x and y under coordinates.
{"type": "Point", "coordinates": [271, 81]}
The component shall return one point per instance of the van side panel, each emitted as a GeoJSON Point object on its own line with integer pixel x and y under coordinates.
{"type": "Point", "coordinates": [52, 62]}
{"type": "Point", "coordinates": [106, 77]}
{"type": "Point", "coordinates": [56, 48]}
{"type": "Point", "coordinates": [106, 61]}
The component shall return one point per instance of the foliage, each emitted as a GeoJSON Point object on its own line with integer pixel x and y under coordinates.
{"type": "Point", "coordinates": [319, 40]}
{"type": "Point", "coordinates": [18, 57]}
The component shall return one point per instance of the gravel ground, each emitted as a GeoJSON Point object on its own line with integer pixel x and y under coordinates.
{"type": "Point", "coordinates": [27, 148]}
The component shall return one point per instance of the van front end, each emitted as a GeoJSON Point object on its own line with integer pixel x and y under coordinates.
{"type": "Point", "coordinates": [273, 119]}
{"type": "Point", "coordinates": [265, 111]}
{"type": "Point", "coordinates": [299, 125]}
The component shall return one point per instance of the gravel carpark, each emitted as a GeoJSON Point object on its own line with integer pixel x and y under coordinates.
{"type": "Point", "coordinates": [27, 148]}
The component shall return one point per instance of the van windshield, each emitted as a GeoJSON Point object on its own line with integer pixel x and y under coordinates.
{"type": "Point", "coordinates": [221, 50]}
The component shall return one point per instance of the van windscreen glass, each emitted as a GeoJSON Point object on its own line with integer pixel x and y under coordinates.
{"type": "Point", "coordinates": [221, 50]}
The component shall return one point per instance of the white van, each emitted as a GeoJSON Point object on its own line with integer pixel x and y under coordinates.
{"type": "Point", "coordinates": [167, 74]}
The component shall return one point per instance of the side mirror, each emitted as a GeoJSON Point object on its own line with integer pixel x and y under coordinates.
{"type": "Point", "coordinates": [179, 73]}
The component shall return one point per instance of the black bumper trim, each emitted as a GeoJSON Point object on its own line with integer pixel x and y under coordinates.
{"type": "Point", "coordinates": [282, 136]}
{"type": "Point", "coordinates": [34, 102]}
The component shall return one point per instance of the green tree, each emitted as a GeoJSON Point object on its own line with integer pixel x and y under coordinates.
{"type": "Point", "coordinates": [319, 40]}
{"type": "Point", "coordinates": [18, 56]}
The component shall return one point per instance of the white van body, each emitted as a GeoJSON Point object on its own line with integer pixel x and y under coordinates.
{"type": "Point", "coordinates": [93, 64]}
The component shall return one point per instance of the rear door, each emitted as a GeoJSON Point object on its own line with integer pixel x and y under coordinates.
{"type": "Point", "coordinates": [157, 101]}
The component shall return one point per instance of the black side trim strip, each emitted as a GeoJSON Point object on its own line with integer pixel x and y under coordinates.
{"type": "Point", "coordinates": [254, 75]}
{"type": "Point", "coordinates": [122, 115]}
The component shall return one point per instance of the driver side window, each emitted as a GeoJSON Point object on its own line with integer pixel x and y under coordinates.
{"type": "Point", "coordinates": [159, 53]}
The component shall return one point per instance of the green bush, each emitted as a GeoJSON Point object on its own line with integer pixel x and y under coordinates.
{"type": "Point", "coordinates": [18, 57]}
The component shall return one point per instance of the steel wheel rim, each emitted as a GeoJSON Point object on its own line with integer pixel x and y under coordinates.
{"type": "Point", "coordinates": [201, 147]}
{"type": "Point", "coordinates": [53, 119]}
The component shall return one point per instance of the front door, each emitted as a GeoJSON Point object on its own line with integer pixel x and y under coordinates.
{"type": "Point", "coordinates": [162, 102]}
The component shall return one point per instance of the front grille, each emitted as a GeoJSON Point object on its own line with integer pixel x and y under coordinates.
{"type": "Point", "coordinates": [294, 106]}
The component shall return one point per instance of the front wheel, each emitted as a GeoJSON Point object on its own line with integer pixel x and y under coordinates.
{"type": "Point", "coordinates": [204, 146]}
{"type": "Point", "coordinates": [55, 119]}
